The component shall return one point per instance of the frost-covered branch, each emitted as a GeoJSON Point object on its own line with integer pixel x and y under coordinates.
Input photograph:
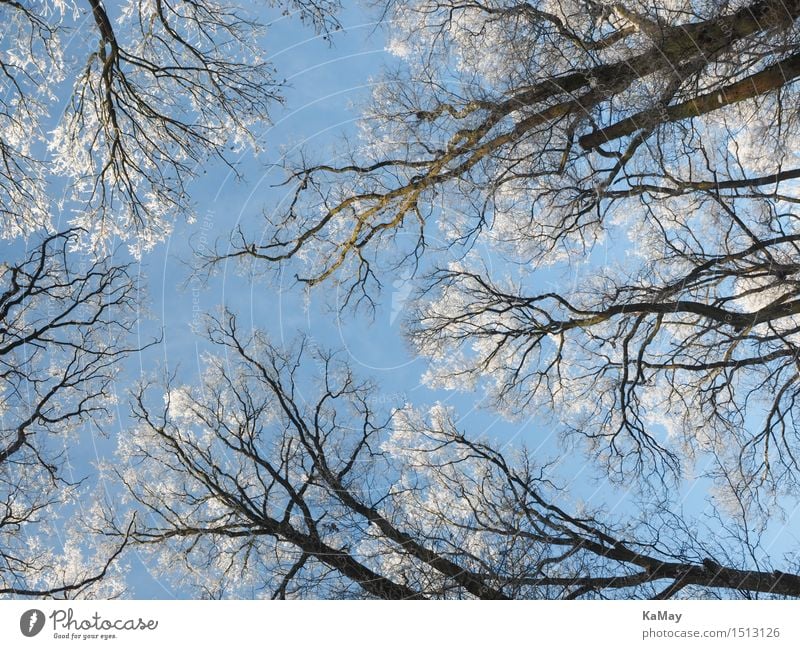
{"type": "Point", "coordinates": [159, 89]}
{"type": "Point", "coordinates": [261, 485]}
{"type": "Point", "coordinates": [63, 334]}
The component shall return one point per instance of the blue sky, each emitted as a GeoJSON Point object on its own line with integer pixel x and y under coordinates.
{"type": "Point", "coordinates": [326, 85]}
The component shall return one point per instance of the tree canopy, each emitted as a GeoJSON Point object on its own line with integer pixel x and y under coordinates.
{"type": "Point", "coordinates": [156, 89]}
{"type": "Point", "coordinates": [262, 488]}
{"type": "Point", "coordinates": [595, 203]}
{"type": "Point", "coordinates": [612, 187]}
{"type": "Point", "coordinates": [615, 187]}
{"type": "Point", "coordinates": [64, 332]}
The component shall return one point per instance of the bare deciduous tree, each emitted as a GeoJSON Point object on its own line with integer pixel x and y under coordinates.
{"type": "Point", "coordinates": [260, 486]}
{"type": "Point", "coordinates": [63, 333]}
{"type": "Point", "coordinates": [157, 89]}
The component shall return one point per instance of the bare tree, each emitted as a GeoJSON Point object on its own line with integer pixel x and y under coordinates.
{"type": "Point", "coordinates": [63, 334]}
{"type": "Point", "coordinates": [107, 113]}
{"type": "Point", "coordinates": [158, 88]}
{"type": "Point", "coordinates": [249, 483]}
{"type": "Point", "coordinates": [631, 170]}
